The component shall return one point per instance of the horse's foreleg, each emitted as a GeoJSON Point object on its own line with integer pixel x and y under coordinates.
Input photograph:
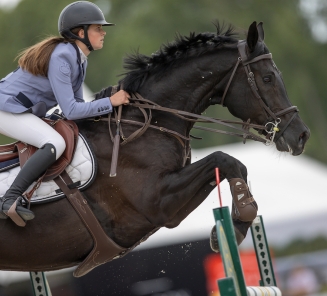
{"type": "Point", "coordinates": [240, 227]}
{"type": "Point", "coordinates": [186, 188]}
{"type": "Point", "coordinates": [194, 183]}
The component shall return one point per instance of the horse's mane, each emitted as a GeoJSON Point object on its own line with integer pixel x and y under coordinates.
{"type": "Point", "coordinates": [139, 66]}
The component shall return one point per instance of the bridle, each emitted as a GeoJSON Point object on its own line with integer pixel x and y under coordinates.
{"type": "Point", "coordinates": [273, 119]}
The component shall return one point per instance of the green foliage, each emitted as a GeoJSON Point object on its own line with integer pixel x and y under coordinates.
{"type": "Point", "coordinates": [300, 246]}
{"type": "Point", "coordinates": [144, 25]}
{"type": "Point", "coordinates": [4, 140]}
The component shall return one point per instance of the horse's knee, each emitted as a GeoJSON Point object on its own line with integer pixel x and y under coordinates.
{"type": "Point", "coordinates": [229, 166]}
{"type": "Point", "coordinates": [244, 170]}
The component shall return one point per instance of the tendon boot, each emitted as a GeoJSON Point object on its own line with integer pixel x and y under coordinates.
{"type": "Point", "coordinates": [31, 171]}
{"type": "Point", "coordinates": [245, 208]}
{"type": "Point", "coordinates": [244, 211]}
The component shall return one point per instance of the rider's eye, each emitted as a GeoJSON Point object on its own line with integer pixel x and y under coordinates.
{"type": "Point", "coordinates": [267, 79]}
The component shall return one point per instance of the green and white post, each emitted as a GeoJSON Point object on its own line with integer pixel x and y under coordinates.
{"type": "Point", "coordinates": [40, 284]}
{"type": "Point", "coordinates": [234, 283]}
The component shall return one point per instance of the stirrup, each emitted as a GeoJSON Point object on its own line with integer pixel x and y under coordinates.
{"type": "Point", "coordinates": [22, 215]}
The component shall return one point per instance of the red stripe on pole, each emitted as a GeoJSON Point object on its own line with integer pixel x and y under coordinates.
{"type": "Point", "coordinates": [218, 186]}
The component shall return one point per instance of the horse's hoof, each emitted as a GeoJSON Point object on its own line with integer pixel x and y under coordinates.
{"type": "Point", "coordinates": [214, 238]}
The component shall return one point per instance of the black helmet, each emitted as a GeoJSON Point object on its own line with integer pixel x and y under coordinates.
{"type": "Point", "coordinates": [80, 14]}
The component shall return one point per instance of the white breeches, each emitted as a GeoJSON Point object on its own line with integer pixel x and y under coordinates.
{"type": "Point", "coordinates": [30, 129]}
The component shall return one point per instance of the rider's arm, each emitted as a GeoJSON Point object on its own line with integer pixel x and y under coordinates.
{"type": "Point", "coordinates": [64, 70]}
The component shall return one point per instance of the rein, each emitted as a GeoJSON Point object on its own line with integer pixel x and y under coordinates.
{"type": "Point", "coordinates": [244, 132]}
{"type": "Point", "coordinates": [143, 104]}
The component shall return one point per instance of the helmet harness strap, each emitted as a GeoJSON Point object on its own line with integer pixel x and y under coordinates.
{"type": "Point", "coordinates": [85, 40]}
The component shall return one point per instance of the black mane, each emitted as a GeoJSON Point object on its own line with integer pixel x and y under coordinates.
{"type": "Point", "coordinates": [139, 66]}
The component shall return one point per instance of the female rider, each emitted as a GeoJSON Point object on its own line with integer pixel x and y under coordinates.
{"type": "Point", "coordinates": [51, 72]}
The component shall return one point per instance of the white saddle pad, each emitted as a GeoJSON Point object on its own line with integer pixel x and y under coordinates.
{"type": "Point", "coordinates": [82, 169]}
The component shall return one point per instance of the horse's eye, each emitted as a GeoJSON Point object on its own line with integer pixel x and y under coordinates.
{"type": "Point", "coordinates": [267, 79]}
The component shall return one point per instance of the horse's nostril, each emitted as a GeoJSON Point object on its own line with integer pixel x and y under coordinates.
{"type": "Point", "coordinates": [303, 138]}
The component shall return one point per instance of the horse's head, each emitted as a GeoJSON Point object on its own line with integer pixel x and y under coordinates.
{"type": "Point", "coordinates": [205, 69]}
{"type": "Point", "coordinates": [256, 92]}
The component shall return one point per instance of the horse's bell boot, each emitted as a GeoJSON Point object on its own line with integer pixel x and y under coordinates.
{"type": "Point", "coordinates": [245, 207]}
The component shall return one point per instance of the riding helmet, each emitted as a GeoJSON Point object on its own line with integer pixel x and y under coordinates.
{"type": "Point", "coordinates": [80, 14]}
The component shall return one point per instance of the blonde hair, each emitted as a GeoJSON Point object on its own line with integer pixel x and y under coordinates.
{"type": "Point", "coordinates": [35, 59]}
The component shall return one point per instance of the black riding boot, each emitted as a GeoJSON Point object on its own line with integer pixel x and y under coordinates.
{"type": "Point", "coordinates": [31, 171]}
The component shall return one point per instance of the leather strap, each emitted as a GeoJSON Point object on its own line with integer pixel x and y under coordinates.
{"type": "Point", "coordinates": [8, 148]}
{"type": "Point", "coordinates": [104, 248]}
{"type": "Point", "coordinates": [186, 115]}
{"type": "Point", "coordinates": [229, 82]}
{"type": "Point", "coordinates": [115, 149]}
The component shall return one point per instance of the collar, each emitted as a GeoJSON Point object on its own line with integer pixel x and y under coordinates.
{"type": "Point", "coordinates": [83, 56]}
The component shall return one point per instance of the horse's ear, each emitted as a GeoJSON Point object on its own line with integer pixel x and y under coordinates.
{"type": "Point", "coordinates": [252, 37]}
{"type": "Point", "coordinates": [261, 31]}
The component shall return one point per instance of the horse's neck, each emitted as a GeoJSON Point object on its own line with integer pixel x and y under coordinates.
{"type": "Point", "coordinates": [188, 86]}
{"type": "Point", "coordinates": [189, 90]}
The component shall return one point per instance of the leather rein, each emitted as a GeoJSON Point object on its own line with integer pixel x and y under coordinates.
{"type": "Point", "coordinates": [270, 128]}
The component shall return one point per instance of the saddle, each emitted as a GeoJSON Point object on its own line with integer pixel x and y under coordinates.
{"type": "Point", "coordinates": [21, 152]}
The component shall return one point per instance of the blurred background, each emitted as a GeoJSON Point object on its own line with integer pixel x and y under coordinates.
{"type": "Point", "coordinates": [295, 215]}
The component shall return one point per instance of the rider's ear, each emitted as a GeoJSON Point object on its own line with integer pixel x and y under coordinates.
{"type": "Point", "coordinates": [81, 33]}
{"type": "Point", "coordinates": [261, 32]}
{"type": "Point", "coordinates": [252, 37]}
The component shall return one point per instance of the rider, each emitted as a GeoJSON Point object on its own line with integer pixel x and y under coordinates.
{"type": "Point", "coordinates": [51, 72]}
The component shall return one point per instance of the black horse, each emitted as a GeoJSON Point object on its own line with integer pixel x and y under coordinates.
{"type": "Point", "coordinates": [156, 184]}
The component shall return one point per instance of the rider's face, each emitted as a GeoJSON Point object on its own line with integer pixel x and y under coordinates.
{"type": "Point", "coordinates": [96, 36]}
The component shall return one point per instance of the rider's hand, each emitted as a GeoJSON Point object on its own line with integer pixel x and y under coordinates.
{"type": "Point", "coordinates": [119, 98]}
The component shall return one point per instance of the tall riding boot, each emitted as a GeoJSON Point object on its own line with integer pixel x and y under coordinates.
{"type": "Point", "coordinates": [31, 171]}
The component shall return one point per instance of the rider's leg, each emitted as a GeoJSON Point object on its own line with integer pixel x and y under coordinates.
{"type": "Point", "coordinates": [32, 130]}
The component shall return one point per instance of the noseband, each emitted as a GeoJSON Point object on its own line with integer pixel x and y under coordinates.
{"type": "Point", "coordinates": [273, 119]}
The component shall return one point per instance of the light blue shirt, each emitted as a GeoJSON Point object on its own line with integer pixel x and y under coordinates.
{"type": "Point", "coordinates": [63, 86]}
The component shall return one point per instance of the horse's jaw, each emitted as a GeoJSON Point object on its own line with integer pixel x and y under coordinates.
{"type": "Point", "coordinates": [293, 145]}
